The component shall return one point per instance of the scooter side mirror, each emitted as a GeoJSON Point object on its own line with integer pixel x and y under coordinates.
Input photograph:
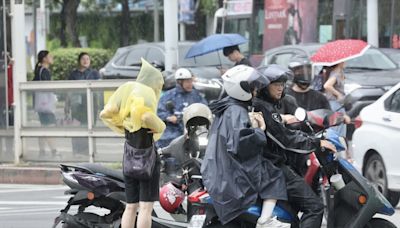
{"type": "Point", "coordinates": [300, 114]}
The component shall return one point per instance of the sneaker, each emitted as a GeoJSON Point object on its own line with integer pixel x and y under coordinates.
{"type": "Point", "coordinates": [273, 223]}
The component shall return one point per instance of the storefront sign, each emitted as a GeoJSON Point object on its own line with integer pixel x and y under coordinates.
{"type": "Point", "coordinates": [237, 8]}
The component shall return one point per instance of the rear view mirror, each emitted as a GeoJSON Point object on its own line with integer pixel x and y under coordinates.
{"type": "Point", "coordinates": [300, 114]}
{"type": "Point", "coordinates": [158, 65]}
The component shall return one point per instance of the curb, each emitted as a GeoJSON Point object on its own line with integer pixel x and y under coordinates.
{"type": "Point", "coordinates": [30, 175]}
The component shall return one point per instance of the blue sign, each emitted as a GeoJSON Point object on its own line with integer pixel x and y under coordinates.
{"type": "Point", "coordinates": [186, 11]}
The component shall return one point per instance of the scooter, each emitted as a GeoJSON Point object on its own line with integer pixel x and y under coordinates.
{"type": "Point", "coordinates": [92, 185]}
{"type": "Point", "coordinates": [350, 204]}
{"type": "Point", "coordinates": [98, 186]}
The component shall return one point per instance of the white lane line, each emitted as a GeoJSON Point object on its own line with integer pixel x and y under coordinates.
{"type": "Point", "coordinates": [62, 197]}
{"type": "Point", "coordinates": [15, 210]}
{"type": "Point", "coordinates": [31, 213]}
{"type": "Point", "coordinates": [31, 186]}
{"type": "Point", "coordinates": [32, 203]}
{"type": "Point", "coordinates": [32, 190]}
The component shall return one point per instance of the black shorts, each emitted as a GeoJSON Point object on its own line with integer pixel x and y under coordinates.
{"type": "Point", "coordinates": [143, 191]}
{"type": "Point", "coordinates": [47, 118]}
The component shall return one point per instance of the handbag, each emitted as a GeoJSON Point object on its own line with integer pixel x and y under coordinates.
{"type": "Point", "coordinates": [44, 102]}
{"type": "Point", "coordinates": [139, 163]}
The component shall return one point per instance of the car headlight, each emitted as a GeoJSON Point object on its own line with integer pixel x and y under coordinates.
{"type": "Point", "coordinates": [348, 88]}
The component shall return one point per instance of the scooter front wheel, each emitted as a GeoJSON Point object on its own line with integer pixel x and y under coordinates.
{"type": "Point", "coordinates": [379, 222]}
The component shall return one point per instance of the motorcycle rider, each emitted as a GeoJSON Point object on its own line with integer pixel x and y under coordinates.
{"type": "Point", "coordinates": [283, 141]}
{"type": "Point", "coordinates": [180, 97]}
{"type": "Point", "coordinates": [196, 117]}
{"type": "Point", "coordinates": [305, 96]}
{"type": "Point", "coordinates": [234, 171]}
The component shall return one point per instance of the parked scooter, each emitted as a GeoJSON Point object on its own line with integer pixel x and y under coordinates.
{"type": "Point", "coordinates": [351, 200]}
{"type": "Point", "coordinates": [92, 185]}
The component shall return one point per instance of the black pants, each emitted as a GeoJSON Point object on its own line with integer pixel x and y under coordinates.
{"type": "Point", "coordinates": [303, 198]}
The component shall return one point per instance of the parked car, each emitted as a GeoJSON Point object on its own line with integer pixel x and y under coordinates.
{"type": "Point", "coordinates": [393, 54]}
{"type": "Point", "coordinates": [367, 77]}
{"type": "Point", "coordinates": [126, 64]}
{"type": "Point", "coordinates": [376, 144]}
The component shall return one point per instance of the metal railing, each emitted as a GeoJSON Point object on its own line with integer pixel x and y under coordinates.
{"type": "Point", "coordinates": [82, 127]}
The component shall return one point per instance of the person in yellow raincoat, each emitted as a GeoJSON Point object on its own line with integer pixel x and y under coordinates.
{"type": "Point", "coordinates": [131, 110]}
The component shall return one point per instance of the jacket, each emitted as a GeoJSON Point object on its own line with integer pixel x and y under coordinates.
{"type": "Point", "coordinates": [234, 170]}
{"type": "Point", "coordinates": [180, 100]}
{"type": "Point", "coordinates": [281, 139]}
{"type": "Point", "coordinates": [134, 104]}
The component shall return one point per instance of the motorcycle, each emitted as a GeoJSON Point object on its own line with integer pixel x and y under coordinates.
{"type": "Point", "coordinates": [98, 186]}
{"type": "Point", "coordinates": [351, 200]}
{"type": "Point", "coordinates": [92, 185]}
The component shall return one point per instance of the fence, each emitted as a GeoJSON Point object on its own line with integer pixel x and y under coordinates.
{"type": "Point", "coordinates": [76, 134]}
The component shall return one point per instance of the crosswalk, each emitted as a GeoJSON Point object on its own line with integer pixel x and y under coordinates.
{"type": "Point", "coordinates": [36, 206]}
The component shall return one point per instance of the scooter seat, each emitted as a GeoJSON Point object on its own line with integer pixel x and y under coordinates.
{"type": "Point", "coordinates": [96, 168]}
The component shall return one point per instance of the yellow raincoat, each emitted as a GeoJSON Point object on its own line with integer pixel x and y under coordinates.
{"type": "Point", "coordinates": [134, 104]}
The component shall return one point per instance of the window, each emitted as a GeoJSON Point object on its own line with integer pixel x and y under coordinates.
{"type": "Point", "coordinates": [133, 58]}
{"type": "Point", "coordinates": [392, 104]}
{"type": "Point", "coordinates": [155, 55]}
{"type": "Point", "coordinates": [282, 59]}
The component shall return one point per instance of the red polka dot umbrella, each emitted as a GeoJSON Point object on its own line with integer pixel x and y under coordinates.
{"type": "Point", "coordinates": [339, 51]}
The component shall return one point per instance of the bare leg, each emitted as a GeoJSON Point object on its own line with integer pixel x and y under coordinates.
{"type": "Point", "coordinates": [268, 207]}
{"type": "Point", "coordinates": [144, 218]}
{"type": "Point", "coordinates": [129, 216]}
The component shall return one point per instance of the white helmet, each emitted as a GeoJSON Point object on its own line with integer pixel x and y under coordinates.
{"type": "Point", "coordinates": [240, 80]}
{"type": "Point", "coordinates": [197, 114]}
{"type": "Point", "coordinates": [183, 73]}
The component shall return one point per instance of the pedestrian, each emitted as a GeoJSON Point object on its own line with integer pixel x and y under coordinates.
{"type": "Point", "coordinates": [334, 91]}
{"type": "Point", "coordinates": [131, 110]}
{"type": "Point", "coordinates": [45, 102]}
{"type": "Point", "coordinates": [76, 102]}
{"type": "Point", "coordinates": [233, 53]}
{"type": "Point", "coordinates": [234, 170]}
{"type": "Point", "coordinates": [172, 104]}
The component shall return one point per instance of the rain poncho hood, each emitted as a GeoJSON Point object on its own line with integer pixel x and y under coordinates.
{"type": "Point", "coordinates": [234, 171]}
{"type": "Point", "coordinates": [134, 104]}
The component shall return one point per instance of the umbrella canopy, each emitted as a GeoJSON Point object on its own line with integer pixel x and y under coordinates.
{"type": "Point", "coordinates": [214, 43]}
{"type": "Point", "coordinates": [339, 51]}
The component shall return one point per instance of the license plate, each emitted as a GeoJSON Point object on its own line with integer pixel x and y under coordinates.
{"type": "Point", "coordinates": [197, 221]}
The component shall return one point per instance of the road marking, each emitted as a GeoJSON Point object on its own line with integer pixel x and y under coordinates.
{"type": "Point", "coordinates": [30, 213]}
{"type": "Point", "coordinates": [32, 203]}
{"type": "Point", "coordinates": [17, 210]}
{"type": "Point", "coordinates": [65, 197]}
{"type": "Point", "coordinates": [32, 190]}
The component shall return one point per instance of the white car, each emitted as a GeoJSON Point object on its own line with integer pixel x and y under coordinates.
{"type": "Point", "coordinates": [376, 144]}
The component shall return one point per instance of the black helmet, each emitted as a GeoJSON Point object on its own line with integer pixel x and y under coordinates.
{"type": "Point", "coordinates": [275, 73]}
{"type": "Point", "coordinates": [302, 70]}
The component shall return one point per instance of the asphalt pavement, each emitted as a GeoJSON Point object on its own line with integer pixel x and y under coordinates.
{"type": "Point", "coordinates": [36, 206]}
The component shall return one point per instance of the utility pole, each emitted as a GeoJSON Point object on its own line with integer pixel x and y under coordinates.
{"type": "Point", "coordinates": [156, 16]}
{"type": "Point", "coordinates": [372, 22]}
{"type": "Point", "coordinates": [19, 68]}
{"type": "Point", "coordinates": [171, 34]}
